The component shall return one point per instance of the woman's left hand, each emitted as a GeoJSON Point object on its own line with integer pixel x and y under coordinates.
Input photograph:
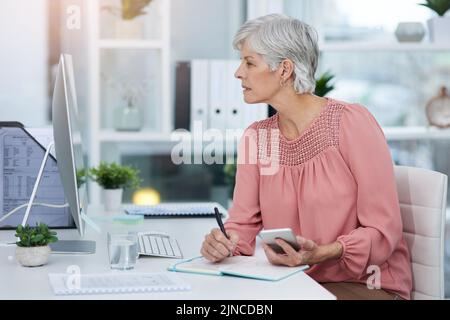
{"type": "Point", "coordinates": [310, 253]}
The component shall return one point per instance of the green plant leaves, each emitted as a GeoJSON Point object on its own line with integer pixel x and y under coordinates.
{"type": "Point", "coordinates": [40, 235]}
{"type": "Point", "coordinates": [323, 86]}
{"type": "Point", "coordinates": [115, 176]}
{"type": "Point", "coordinates": [438, 6]}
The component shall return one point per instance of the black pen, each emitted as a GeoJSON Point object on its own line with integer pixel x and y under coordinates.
{"type": "Point", "coordinates": [219, 222]}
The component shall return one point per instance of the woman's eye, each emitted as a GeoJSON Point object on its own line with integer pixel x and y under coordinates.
{"type": "Point", "coordinates": [249, 64]}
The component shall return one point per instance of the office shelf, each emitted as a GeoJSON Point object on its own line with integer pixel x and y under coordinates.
{"type": "Point", "coordinates": [104, 52]}
{"type": "Point", "coordinates": [140, 136]}
{"type": "Point", "coordinates": [130, 44]}
{"type": "Point", "coordinates": [391, 134]}
{"type": "Point", "coordinates": [377, 46]}
{"type": "Point", "coordinates": [416, 133]}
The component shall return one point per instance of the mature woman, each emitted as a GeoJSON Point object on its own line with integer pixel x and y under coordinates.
{"type": "Point", "coordinates": [334, 184]}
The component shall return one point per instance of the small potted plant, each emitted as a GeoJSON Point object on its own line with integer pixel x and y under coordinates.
{"type": "Point", "coordinates": [113, 178]}
{"type": "Point", "coordinates": [323, 85]}
{"type": "Point", "coordinates": [128, 26]}
{"type": "Point", "coordinates": [33, 246]}
{"type": "Point", "coordinates": [438, 26]}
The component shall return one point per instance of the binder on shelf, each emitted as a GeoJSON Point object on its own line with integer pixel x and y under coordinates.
{"type": "Point", "coordinates": [234, 106]}
{"type": "Point", "coordinates": [199, 92]}
{"type": "Point", "coordinates": [182, 95]}
{"type": "Point", "coordinates": [218, 94]}
{"type": "Point", "coordinates": [253, 112]}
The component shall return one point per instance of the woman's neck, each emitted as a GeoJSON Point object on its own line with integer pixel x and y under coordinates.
{"type": "Point", "coordinates": [297, 111]}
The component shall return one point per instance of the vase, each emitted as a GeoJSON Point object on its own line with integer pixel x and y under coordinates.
{"type": "Point", "coordinates": [32, 256]}
{"type": "Point", "coordinates": [113, 200]}
{"type": "Point", "coordinates": [410, 32]}
{"type": "Point", "coordinates": [128, 118]}
{"type": "Point", "coordinates": [129, 29]}
{"type": "Point", "coordinates": [439, 29]}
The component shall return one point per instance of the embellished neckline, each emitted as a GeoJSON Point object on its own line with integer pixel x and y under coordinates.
{"type": "Point", "coordinates": [310, 126]}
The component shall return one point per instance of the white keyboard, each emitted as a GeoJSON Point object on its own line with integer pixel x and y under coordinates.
{"type": "Point", "coordinates": [159, 245]}
{"type": "Point", "coordinates": [176, 209]}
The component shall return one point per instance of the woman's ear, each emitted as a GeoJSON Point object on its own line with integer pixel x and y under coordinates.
{"type": "Point", "coordinates": [287, 69]}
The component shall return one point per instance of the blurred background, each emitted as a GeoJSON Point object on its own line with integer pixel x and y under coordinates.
{"type": "Point", "coordinates": [136, 81]}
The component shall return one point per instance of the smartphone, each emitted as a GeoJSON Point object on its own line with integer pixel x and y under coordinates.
{"type": "Point", "coordinates": [269, 236]}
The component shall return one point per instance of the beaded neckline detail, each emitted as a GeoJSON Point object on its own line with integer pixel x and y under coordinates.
{"type": "Point", "coordinates": [276, 125]}
{"type": "Point", "coordinates": [322, 133]}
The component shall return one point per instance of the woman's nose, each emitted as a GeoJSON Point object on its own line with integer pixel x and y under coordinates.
{"type": "Point", "coordinates": [238, 73]}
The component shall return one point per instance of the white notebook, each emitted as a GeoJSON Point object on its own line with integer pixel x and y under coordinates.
{"type": "Point", "coordinates": [72, 284]}
{"type": "Point", "coordinates": [254, 267]}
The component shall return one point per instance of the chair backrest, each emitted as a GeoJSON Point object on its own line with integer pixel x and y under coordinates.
{"type": "Point", "coordinates": [423, 196]}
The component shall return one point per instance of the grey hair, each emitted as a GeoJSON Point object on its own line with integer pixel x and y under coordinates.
{"type": "Point", "coordinates": [277, 37]}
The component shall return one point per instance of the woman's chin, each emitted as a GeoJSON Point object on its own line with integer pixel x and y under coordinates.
{"type": "Point", "coordinates": [251, 100]}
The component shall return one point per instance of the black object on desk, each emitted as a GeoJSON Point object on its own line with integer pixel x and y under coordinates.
{"type": "Point", "coordinates": [219, 222]}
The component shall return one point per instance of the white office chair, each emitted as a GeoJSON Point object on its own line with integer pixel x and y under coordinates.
{"type": "Point", "coordinates": [423, 197]}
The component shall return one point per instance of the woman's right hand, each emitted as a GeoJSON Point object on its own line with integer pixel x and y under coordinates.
{"type": "Point", "coordinates": [217, 247]}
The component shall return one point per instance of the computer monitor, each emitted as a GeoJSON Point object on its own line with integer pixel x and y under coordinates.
{"type": "Point", "coordinates": [68, 141]}
{"type": "Point", "coordinates": [69, 147]}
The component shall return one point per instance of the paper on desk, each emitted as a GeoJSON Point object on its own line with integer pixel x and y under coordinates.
{"type": "Point", "coordinates": [44, 136]}
{"type": "Point", "coordinates": [74, 284]}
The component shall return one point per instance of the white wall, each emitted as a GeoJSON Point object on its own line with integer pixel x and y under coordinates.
{"type": "Point", "coordinates": [204, 29]}
{"type": "Point", "coordinates": [23, 62]}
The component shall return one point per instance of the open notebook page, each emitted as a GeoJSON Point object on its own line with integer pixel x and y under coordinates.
{"type": "Point", "coordinates": [256, 266]}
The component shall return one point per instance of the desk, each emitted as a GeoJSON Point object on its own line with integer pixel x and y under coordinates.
{"type": "Point", "coordinates": [17, 282]}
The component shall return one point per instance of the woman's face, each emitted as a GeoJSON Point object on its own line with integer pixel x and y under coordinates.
{"type": "Point", "coordinates": [260, 84]}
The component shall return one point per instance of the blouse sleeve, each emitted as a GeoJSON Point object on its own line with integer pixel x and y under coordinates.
{"type": "Point", "coordinates": [365, 150]}
{"type": "Point", "coordinates": [244, 214]}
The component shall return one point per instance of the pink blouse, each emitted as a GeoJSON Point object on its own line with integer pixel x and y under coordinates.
{"type": "Point", "coordinates": [335, 182]}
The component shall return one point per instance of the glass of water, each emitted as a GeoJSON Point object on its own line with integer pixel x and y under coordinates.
{"type": "Point", "coordinates": [122, 250]}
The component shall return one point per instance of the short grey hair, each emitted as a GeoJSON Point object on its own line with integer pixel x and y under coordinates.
{"type": "Point", "coordinates": [277, 37]}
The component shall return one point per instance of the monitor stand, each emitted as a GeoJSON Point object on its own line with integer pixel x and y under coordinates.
{"type": "Point", "coordinates": [73, 247]}
{"type": "Point", "coordinates": [76, 246]}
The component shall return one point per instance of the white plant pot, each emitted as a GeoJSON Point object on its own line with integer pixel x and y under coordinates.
{"type": "Point", "coordinates": [130, 29]}
{"type": "Point", "coordinates": [32, 256]}
{"type": "Point", "coordinates": [439, 29]}
{"type": "Point", "coordinates": [113, 200]}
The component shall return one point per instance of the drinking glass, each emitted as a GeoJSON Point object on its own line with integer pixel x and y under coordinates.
{"type": "Point", "coordinates": [122, 250]}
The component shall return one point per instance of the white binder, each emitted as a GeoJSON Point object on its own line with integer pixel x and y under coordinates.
{"type": "Point", "coordinates": [240, 115]}
{"type": "Point", "coordinates": [199, 92]}
{"type": "Point", "coordinates": [234, 107]}
{"type": "Point", "coordinates": [218, 94]}
{"type": "Point", "coordinates": [253, 112]}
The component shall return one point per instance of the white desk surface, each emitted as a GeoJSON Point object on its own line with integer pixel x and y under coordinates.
{"type": "Point", "coordinates": [17, 282]}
